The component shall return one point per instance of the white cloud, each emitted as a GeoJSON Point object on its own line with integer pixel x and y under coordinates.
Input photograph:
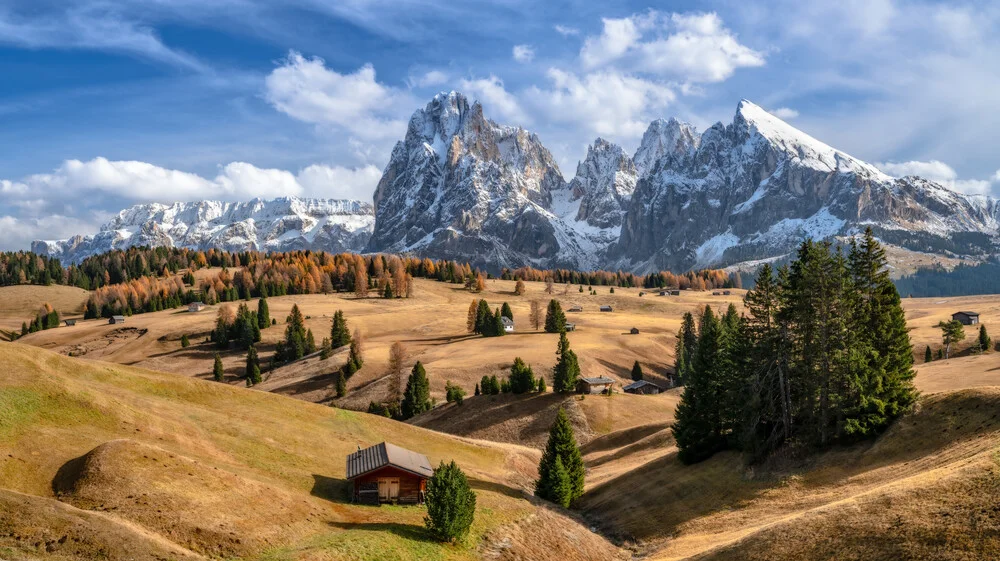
{"type": "Point", "coordinates": [307, 90]}
{"type": "Point", "coordinates": [496, 99]}
{"type": "Point", "coordinates": [144, 182]}
{"type": "Point", "coordinates": [523, 53]}
{"type": "Point", "coordinates": [618, 36]}
{"type": "Point", "coordinates": [18, 233]}
{"type": "Point", "coordinates": [566, 31]}
{"type": "Point", "coordinates": [785, 113]}
{"type": "Point", "coordinates": [694, 48]}
{"type": "Point", "coordinates": [429, 79]}
{"type": "Point", "coordinates": [939, 172]}
{"type": "Point", "coordinates": [605, 102]}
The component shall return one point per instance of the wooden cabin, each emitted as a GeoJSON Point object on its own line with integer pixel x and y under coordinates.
{"type": "Point", "coordinates": [570, 327]}
{"type": "Point", "coordinates": [966, 318]}
{"type": "Point", "coordinates": [675, 292]}
{"type": "Point", "coordinates": [196, 307]}
{"type": "Point", "coordinates": [600, 384]}
{"type": "Point", "coordinates": [575, 309]}
{"type": "Point", "coordinates": [606, 309]}
{"type": "Point", "coordinates": [386, 473]}
{"type": "Point", "coordinates": [727, 292]}
{"type": "Point", "coordinates": [116, 320]}
{"type": "Point", "coordinates": [70, 322]}
{"type": "Point", "coordinates": [642, 387]}
{"type": "Point", "coordinates": [634, 331]}
{"type": "Point", "coordinates": [508, 324]}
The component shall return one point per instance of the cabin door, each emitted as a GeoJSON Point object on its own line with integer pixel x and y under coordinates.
{"type": "Point", "coordinates": [388, 488]}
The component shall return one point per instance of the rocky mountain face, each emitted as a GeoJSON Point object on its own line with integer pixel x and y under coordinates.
{"type": "Point", "coordinates": [460, 186]}
{"type": "Point", "coordinates": [756, 188]}
{"type": "Point", "coordinates": [284, 224]}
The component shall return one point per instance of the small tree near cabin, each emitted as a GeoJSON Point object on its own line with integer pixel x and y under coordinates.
{"type": "Point", "coordinates": [636, 371]}
{"type": "Point", "coordinates": [567, 368]}
{"type": "Point", "coordinates": [506, 312]}
{"type": "Point", "coordinates": [555, 319]}
{"type": "Point", "coordinates": [951, 332]}
{"type": "Point", "coordinates": [451, 503]}
{"type": "Point", "coordinates": [985, 343]}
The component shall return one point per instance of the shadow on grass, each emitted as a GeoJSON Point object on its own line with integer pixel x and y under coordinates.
{"type": "Point", "coordinates": [500, 488]}
{"type": "Point", "coordinates": [329, 488]}
{"type": "Point", "coordinates": [405, 531]}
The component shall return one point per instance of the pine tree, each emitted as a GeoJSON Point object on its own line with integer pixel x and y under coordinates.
{"type": "Point", "coordinates": [555, 319]}
{"type": "Point", "coordinates": [522, 379]}
{"type": "Point", "coordinates": [484, 319]}
{"type": "Point", "coordinates": [451, 503]}
{"type": "Point", "coordinates": [310, 342]}
{"type": "Point", "coordinates": [263, 314]}
{"type": "Point", "coordinates": [325, 350]}
{"type": "Point", "coordinates": [506, 312]}
{"type": "Point", "coordinates": [253, 367]}
{"type": "Point", "coordinates": [636, 371]}
{"type": "Point", "coordinates": [985, 343]}
{"type": "Point", "coordinates": [341, 384]}
{"type": "Point", "coordinates": [567, 368]}
{"type": "Point", "coordinates": [940, 354]}
{"type": "Point", "coordinates": [477, 392]}
{"type": "Point", "coordinates": [417, 396]}
{"type": "Point", "coordinates": [697, 424]}
{"type": "Point", "coordinates": [561, 445]}
{"type": "Point", "coordinates": [185, 342]}
{"type": "Point", "coordinates": [560, 488]}
{"type": "Point", "coordinates": [387, 291]}
{"type": "Point", "coordinates": [340, 335]}
{"type": "Point", "coordinates": [497, 330]}
{"type": "Point", "coordinates": [218, 372]}
{"type": "Point", "coordinates": [541, 384]}
{"type": "Point", "coordinates": [687, 344]}
{"type": "Point", "coordinates": [927, 354]}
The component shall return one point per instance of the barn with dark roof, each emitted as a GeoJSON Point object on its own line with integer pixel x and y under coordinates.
{"type": "Point", "coordinates": [386, 473]}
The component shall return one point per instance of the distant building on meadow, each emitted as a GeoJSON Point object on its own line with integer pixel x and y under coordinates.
{"type": "Point", "coordinates": [727, 292]}
{"type": "Point", "coordinates": [634, 331]}
{"type": "Point", "coordinates": [70, 322]}
{"type": "Point", "coordinates": [601, 384]}
{"type": "Point", "coordinates": [570, 327]}
{"type": "Point", "coordinates": [642, 387]}
{"type": "Point", "coordinates": [716, 293]}
{"type": "Point", "coordinates": [675, 292]}
{"type": "Point", "coordinates": [196, 306]}
{"type": "Point", "coordinates": [575, 309]}
{"type": "Point", "coordinates": [508, 324]}
{"type": "Point", "coordinates": [606, 309]}
{"type": "Point", "coordinates": [966, 318]}
{"type": "Point", "coordinates": [386, 473]}
{"type": "Point", "coordinates": [116, 319]}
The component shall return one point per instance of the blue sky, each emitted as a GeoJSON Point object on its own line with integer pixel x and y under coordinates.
{"type": "Point", "coordinates": [106, 104]}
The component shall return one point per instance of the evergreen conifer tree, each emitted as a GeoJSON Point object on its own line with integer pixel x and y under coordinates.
{"type": "Point", "coordinates": [522, 379]}
{"type": "Point", "coordinates": [567, 368]}
{"type": "Point", "coordinates": [697, 425]}
{"type": "Point", "coordinates": [341, 387]}
{"type": "Point", "coordinates": [541, 384]}
{"type": "Point", "coordinates": [951, 332]}
{"type": "Point", "coordinates": [562, 445]}
{"type": "Point", "coordinates": [927, 354]}
{"type": "Point", "coordinates": [484, 319]}
{"type": "Point", "coordinates": [555, 319]}
{"type": "Point", "coordinates": [417, 396]}
{"type": "Point", "coordinates": [687, 344]}
{"type": "Point", "coordinates": [636, 371]}
{"type": "Point", "coordinates": [497, 330]}
{"type": "Point", "coordinates": [263, 314]}
{"type": "Point", "coordinates": [253, 366]}
{"type": "Point", "coordinates": [340, 335]}
{"type": "Point", "coordinates": [185, 342]}
{"type": "Point", "coordinates": [560, 487]}
{"type": "Point", "coordinates": [477, 392]}
{"type": "Point", "coordinates": [451, 503]}
{"type": "Point", "coordinates": [506, 312]}
{"type": "Point", "coordinates": [940, 354]}
{"type": "Point", "coordinates": [218, 372]}
{"type": "Point", "coordinates": [985, 343]}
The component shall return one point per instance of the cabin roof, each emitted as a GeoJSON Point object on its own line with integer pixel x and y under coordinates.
{"type": "Point", "coordinates": [640, 383]}
{"type": "Point", "coordinates": [117, 318]}
{"type": "Point", "coordinates": [506, 320]}
{"type": "Point", "coordinates": [967, 313]}
{"type": "Point", "coordinates": [386, 454]}
{"type": "Point", "coordinates": [598, 380]}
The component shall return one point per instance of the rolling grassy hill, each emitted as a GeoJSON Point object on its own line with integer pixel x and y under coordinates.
{"type": "Point", "coordinates": [103, 460]}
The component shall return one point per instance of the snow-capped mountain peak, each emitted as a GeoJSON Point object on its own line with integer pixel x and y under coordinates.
{"type": "Point", "coordinates": [665, 140]}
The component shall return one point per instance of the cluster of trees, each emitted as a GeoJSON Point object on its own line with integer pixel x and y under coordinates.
{"type": "Point", "coordinates": [953, 332]}
{"type": "Point", "coordinates": [46, 318]}
{"type": "Point", "coordinates": [340, 337]}
{"type": "Point", "coordinates": [485, 322]}
{"type": "Point", "coordinates": [136, 296]}
{"type": "Point", "coordinates": [242, 327]}
{"type": "Point", "coordinates": [704, 279]}
{"type": "Point", "coordinates": [298, 341]}
{"type": "Point", "coordinates": [821, 356]}
{"type": "Point", "coordinates": [22, 267]}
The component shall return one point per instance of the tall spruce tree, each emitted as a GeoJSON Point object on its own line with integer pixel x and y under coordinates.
{"type": "Point", "coordinates": [567, 368]}
{"type": "Point", "coordinates": [927, 354]}
{"type": "Point", "coordinates": [484, 319]}
{"type": "Point", "coordinates": [522, 379]}
{"type": "Point", "coordinates": [417, 397]}
{"type": "Point", "coordinates": [506, 312]}
{"type": "Point", "coordinates": [985, 343]}
{"type": "Point", "coordinates": [697, 424]}
{"type": "Point", "coordinates": [561, 445]}
{"type": "Point", "coordinates": [555, 319]}
{"type": "Point", "coordinates": [687, 344]}
{"type": "Point", "coordinates": [253, 367]}
{"type": "Point", "coordinates": [218, 372]}
{"type": "Point", "coordinates": [340, 335]}
{"type": "Point", "coordinates": [263, 314]}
